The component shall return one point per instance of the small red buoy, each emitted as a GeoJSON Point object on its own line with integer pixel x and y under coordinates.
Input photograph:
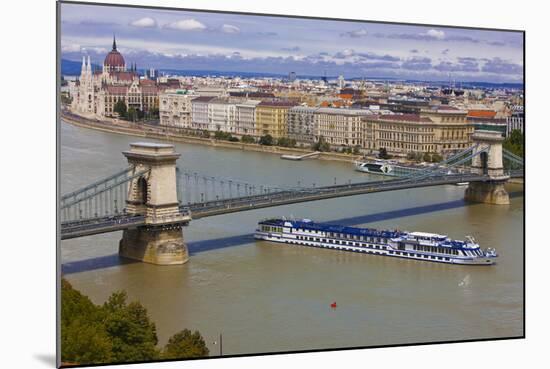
{"type": "Point", "coordinates": [333, 305]}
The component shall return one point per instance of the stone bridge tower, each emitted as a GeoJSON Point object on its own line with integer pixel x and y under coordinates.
{"type": "Point", "coordinates": [154, 195]}
{"type": "Point", "coordinates": [489, 162]}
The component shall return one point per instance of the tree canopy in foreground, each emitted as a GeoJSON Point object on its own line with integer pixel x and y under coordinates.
{"type": "Point", "coordinates": [116, 331]}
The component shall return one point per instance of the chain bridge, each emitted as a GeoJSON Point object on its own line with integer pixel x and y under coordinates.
{"type": "Point", "coordinates": [152, 199]}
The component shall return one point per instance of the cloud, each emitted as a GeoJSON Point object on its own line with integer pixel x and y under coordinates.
{"type": "Point", "coordinates": [414, 51]}
{"type": "Point", "coordinates": [439, 35]}
{"type": "Point", "coordinates": [266, 33]}
{"type": "Point", "coordinates": [373, 56]}
{"type": "Point", "coordinates": [463, 39]}
{"type": "Point", "coordinates": [355, 34]}
{"type": "Point", "coordinates": [417, 63]}
{"type": "Point", "coordinates": [501, 66]}
{"type": "Point", "coordinates": [70, 48]}
{"type": "Point", "coordinates": [463, 65]}
{"type": "Point", "coordinates": [430, 35]}
{"type": "Point", "coordinates": [380, 65]}
{"type": "Point", "coordinates": [445, 52]}
{"type": "Point", "coordinates": [228, 28]}
{"type": "Point", "coordinates": [146, 22]}
{"type": "Point", "coordinates": [347, 53]}
{"type": "Point", "coordinates": [187, 25]}
{"type": "Point", "coordinates": [291, 49]}
{"type": "Point", "coordinates": [497, 43]}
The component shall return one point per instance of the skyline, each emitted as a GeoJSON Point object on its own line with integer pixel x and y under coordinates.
{"type": "Point", "coordinates": [195, 40]}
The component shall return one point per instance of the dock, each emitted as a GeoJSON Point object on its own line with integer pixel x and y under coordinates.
{"type": "Point", "coordinates": [300, 157]}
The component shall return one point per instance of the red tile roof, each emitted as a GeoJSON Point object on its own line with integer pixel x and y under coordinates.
{"type": "Point", "coordinates": [481, 113]}
{"type": "Point", "coordinates": [116, 90]}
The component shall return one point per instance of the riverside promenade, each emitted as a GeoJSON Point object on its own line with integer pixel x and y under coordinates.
{"type": "Point", "coordinates": [156, 132]}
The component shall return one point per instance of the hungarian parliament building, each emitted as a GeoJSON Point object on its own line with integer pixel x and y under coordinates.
{"type": "Point", "coordinates": [97, 91]}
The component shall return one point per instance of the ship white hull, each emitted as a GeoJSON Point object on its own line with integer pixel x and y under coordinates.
{"type": "Point", "coordinates": [376, 249]}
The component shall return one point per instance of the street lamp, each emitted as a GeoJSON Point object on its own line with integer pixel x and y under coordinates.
{"type": "Point", "coordinates": [220, 343]}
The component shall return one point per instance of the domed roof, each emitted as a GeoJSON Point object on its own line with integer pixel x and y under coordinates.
{"type": "Point", "coordinates": [114, 58]}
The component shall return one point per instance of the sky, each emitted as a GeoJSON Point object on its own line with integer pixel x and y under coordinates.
{"type": "Point", "coordinates": [188, 40]}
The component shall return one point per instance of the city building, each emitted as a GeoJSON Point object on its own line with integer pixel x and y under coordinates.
{"type": "Point", "coordinates": [222, 115]}
{"type": "Point", "coordinates": [452, 131]}
{"type": "Point", "coordinates": [175, 108]}
{"type": "Point", "coordinates": [399, 134]}
{"type": "Point", "coordinates": [301, 125]}
{"type": "Point", "coordinates": [516, 120]}
{"type": "Point", "coordinates": [246, 117]}
{"type": "Point", "coordinates": [199, 112]}
{"type": "Point", "coordinates": [339, 126]}
{"type": "Point", "coordinates": [96, 92]}
{"type": "Point", "coordinates": [272, 118]}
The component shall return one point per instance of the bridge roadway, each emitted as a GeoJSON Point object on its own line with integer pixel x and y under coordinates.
{"type": "Point", "coordinates": [88, 227]}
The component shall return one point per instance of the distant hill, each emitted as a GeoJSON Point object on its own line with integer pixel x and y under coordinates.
{"type": "Point", "coordinates": [72, 68]}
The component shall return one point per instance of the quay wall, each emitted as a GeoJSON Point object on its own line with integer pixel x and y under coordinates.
{"type": "Point", "coordinates": [131, 129]}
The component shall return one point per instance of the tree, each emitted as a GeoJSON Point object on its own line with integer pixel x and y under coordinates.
{"type": "Point", "coordinates": [436, 158]}
{"type": "Point", "coordinates": [120, 108]}
{"type": "Point", "coordinates": [133, 335]}
{"type": "Point", "coordinates": [286, 142]}
{"type": "Point", "coordinates": [247, 139]}
{"type": "Point", "coordinates": [515, 143]}
{"type": "Point", "coordinates": [356, 149]}
{"type": "Point", "coordinates": [84, 339]}
{"type": "Point", "coordinates": [321, 145]}
{"type": "Point", "coordinates": [132, 114]}
{"type": "Point", "coordinates": [383, 153]}
{"type": "Point", "coordinates": [266, 140]}
{"type": "Point", "coordinates": [185, 344]}
{"type": "Point", "coordinates": [426, 157]}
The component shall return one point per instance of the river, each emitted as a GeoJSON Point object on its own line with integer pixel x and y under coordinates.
{"type": "Point", "coordinates": [266, 297]}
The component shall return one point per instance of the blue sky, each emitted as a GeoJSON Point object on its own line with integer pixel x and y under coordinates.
{"type": "Point", "coordinates": [168, 39]}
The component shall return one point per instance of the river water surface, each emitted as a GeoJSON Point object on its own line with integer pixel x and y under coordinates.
{"type": "Point", "coordinates": [266, 297]}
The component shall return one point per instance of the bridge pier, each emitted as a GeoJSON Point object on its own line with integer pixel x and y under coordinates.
{"type": "Point", "coordinates": [154, 195]}
{"type": "Point", "coordinates": [488, 162]}
{"type": "Point", "coordinates": [487, 193]}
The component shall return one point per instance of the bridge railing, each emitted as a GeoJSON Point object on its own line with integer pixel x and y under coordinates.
{"type": "Point", "coordinates": [102, 199]}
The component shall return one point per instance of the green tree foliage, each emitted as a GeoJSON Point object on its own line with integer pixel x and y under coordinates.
{"type": "Point", "coordinates": [154, 113]}
{"type": "Point", "coordinates": [321, 145]}
{"type": "Point", "coordinates": [266, 140]}
{"type": "Point", "coordinates": [205, 134]}
{"type": "Point", "coordinates": [120, 108]}
{"type": "Point", "coordinates": [133, 335]}
{"type": "Point", "coordinates": [286, 142]}
{"type": "Point", "coordinates": [132, 114]}
{"type": "Point", "coordinates": [117, 331]}
{"type": "Point", "coordinates": [84, 339]}
{"type": "Point", "coordinates": [220, 135]}
{"type": "Point", "coordinates": [436, 158]}
{"type": "Point", "coordinates": [515, 143]}
{"type": "Point", "coordinates": [247, 139]}
{"type": "Point", "coordinates": [383, 153]}
{"type": "Point", "coordinates": [185, 344]}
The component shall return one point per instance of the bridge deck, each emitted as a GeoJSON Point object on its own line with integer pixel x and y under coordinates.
{"type": "Point", "coordinates": [88, 227]}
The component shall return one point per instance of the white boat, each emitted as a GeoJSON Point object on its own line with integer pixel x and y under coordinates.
{"type": "Point", "coordinates": [374, 167]}
{"type": "Point", "coordinates": [409, 245]}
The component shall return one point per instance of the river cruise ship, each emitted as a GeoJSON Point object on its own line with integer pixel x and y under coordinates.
{"type": "Point", "coordinates": [410, 245]}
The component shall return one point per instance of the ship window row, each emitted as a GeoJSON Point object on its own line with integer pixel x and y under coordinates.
{"type": "Point", "coordinates": [432, 257]}
{"type": "Point", "coordinates": [345, 236]}
{"type": "Point", "coordinates": [338, 242]}
{"type": "Point", "coordinates": [441, 250]}
{"type": "Point", "coordinates": [266, 228]}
